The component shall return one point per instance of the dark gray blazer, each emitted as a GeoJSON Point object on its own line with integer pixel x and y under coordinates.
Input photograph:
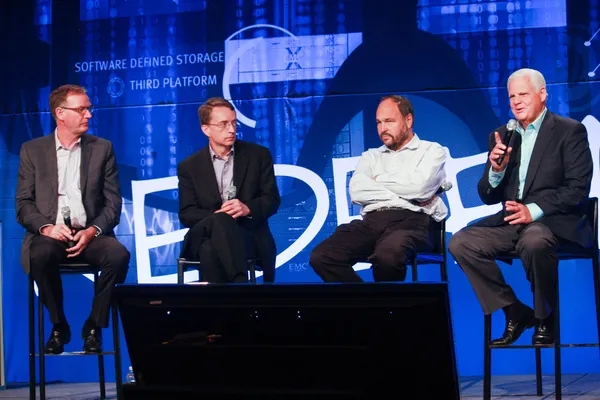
{"type": "Point", "coordinates": [37, 187]}
{"type": "Point", "coordinates": [558, 178]}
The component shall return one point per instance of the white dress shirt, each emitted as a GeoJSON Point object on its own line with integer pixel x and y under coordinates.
{"type": "Point", "coordinates": [69, 183]}
{"type": "Point", "coordinates": [223, 172]}
{"type": "Point", "coordinates": [385, 178]}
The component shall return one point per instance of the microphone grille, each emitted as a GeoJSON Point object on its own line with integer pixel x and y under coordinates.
{"type": "Point", "coordinates": [512, 125]}
{"type": "Point", "coordinates": [231, 192]}
{"type": "Point", "coordinates": [446, 186]}
{"type": "Point", "coordinates": [66, 211]}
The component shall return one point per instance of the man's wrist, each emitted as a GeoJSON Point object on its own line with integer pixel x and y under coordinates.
{"type": "Point", "coordinates": [41, 230]}
{"type": "Point", "coordinates": [94, 231]}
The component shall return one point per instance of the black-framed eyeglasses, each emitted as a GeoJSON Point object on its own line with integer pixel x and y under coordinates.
{"type": "Point", "coordinates": [80, 110]}
{"type": "Point", "coordinates": [224, 124]}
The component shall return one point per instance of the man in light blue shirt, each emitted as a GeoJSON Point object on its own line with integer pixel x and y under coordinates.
{"type": "Point", "coordinates": [542, 176]}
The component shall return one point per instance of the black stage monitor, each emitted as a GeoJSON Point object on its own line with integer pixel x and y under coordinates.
{"type": "Point", "coordinates": [290, 340]}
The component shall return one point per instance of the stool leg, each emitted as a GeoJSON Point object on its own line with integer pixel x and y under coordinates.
{"type": "Point", "coordinates": [180, 271]}
{"type": "Point", "coordinates": [596, 269]}
{"type": "Point", "coordinates": [101, 374]}
{"type": "Point", "coordinates": [557, 367]}
{"type": "Point", "coordinates": [252, 271]}
{"type": "Point", "coordinates": [487, 357]}
{"type": "Point", "coordinates": [538, 371]}
{"type": "Point", "coordinates": [444, 270]}
{"type": "Point", "coordinates": [414, 271]}
{"type": "Point", "coordinates": [41, 346]}
{"type": "Point", "coordinates": [117, 346]}
{"type": "Point", "coordinates": [100, 356]}
{"type": "Point", "coordinates": [31, 339]}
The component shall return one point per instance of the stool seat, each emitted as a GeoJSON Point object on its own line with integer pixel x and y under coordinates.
{"type": "Point", "coordinates": [184, 264]}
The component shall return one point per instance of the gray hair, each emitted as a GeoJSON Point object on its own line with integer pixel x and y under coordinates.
{"type": "Point", "coordinates": [535, 77]}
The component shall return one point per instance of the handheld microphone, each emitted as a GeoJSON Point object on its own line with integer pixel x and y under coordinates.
{"type": "Point", "coordinates": [444, 187]}
{"type": "Point", "coordinates": [66, 213]}
{"type": "Point", "coordinates": [230, 193]}
{"type": "Point", "coordinates": [510, 130]}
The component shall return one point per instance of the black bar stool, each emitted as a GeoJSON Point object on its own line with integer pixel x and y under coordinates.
{"type": "Point", "coordinates": [563, 254]}
{"type": "Point", "coordinates": [69, 269]}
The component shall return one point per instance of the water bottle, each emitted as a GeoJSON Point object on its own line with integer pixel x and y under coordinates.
{"type": "Point", "coordinates": [130, 378]}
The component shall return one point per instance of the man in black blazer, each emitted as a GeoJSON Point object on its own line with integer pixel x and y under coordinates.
{"type": "Point", "coordinates": [227, 192]}
{"type": "Point", "coordinates": [543, 182]}
{"type": "Point", "coordinates": [70, 178]}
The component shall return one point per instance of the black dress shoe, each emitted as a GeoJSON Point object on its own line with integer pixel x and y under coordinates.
{"type": "Point", "coordinates": [544, 332]}
{"type": "Point", "coordinates": [92, 340]}
{"type": "Point", "coordinates": [58, 339]}
{"type": "Point", "coordinates": [514, 329]}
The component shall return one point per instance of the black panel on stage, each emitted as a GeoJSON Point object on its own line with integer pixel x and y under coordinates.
{"type": "Point", "coordinates": [299, 340]}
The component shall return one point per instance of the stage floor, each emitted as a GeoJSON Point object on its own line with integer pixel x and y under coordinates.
{"type": "Point", "coordinates": [515, 387]}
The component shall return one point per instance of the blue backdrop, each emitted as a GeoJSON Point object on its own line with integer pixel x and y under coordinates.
{"type": "Point", "coordinates": [305, 77]}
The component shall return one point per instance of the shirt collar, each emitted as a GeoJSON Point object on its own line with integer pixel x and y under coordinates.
{"type": "Point", "coordinates": [58, 144]}
{"type": "Point", "coordinates": [412, 145]}
{"type": "Point", "coordinates": [535, 125]}
{"type": "Point", "coordinates": [214, 155]}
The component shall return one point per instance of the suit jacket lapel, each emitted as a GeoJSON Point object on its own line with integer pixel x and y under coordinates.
{"type": "Point", "coordinates": [206, 164]}
{"type": "Point", "coordinates": [52, 168]}
{"type": "Point", "coordinates": [86, 153]}
{"type": "Point", "coordinates": [240, 166]}
{"type": "Point", "coordinates": [543, 138]}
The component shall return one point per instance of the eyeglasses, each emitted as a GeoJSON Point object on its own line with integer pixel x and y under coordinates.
{"type": "Point", "coordinates": [80, 110]}
{"type": "Point", "coordinates": [224, 124]}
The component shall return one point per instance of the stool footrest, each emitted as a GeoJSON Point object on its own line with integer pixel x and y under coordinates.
{"type": "Point", "coordinates": [542, 346]}
{"type": "Point", "coordinates": [77, 353]}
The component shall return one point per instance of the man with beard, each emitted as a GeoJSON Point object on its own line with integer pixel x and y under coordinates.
{"type": "Point", "coordinates": [396, 186]}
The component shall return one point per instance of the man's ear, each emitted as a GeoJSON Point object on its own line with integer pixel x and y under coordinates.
{"type": "Point", "coordinates": [205, 130]}
{"type": "Point", "coordinates": [409, 121]}
{"type": "Point", "coordinates": [543, 94]}
{"type": "Point", "coordinates": [59, 112]}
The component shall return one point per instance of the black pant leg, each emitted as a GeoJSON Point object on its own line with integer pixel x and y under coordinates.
{"type": "Point", "coordinates": [226, 239]}
{"type": "Point", "coordinates": [334, 258]}
{"type": "Point", "coordinates": [537, 247]}
{"type": "Point", "coordinates": [112, 258]}
{"type": "Point", "coordinates": [210, 266]}
{"type": "Point", "coordinates": [46, 254]}
{"type": "Point", "coordinates": [474, 249]}
{"type": "Point", "coordinates": [398, 243]}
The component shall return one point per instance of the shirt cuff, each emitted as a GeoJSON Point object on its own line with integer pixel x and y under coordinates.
{"type": "Point", "coordinates": [535, 211]}
{"type": "Point", "coordinates": [99, 230]}
{"type": "Point", "coordinates": [495, 177]}
{"type": "Point", "coordinates": [43, 226]}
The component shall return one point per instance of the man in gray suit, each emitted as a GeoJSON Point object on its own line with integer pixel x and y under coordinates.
{"type": "Point", "coordinates": [69, 202]}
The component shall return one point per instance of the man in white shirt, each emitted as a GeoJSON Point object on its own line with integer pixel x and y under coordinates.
{"type": "Point", "coordinates": [68, 200]}
{"type": "Point", "coordinates": [396, 186]}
